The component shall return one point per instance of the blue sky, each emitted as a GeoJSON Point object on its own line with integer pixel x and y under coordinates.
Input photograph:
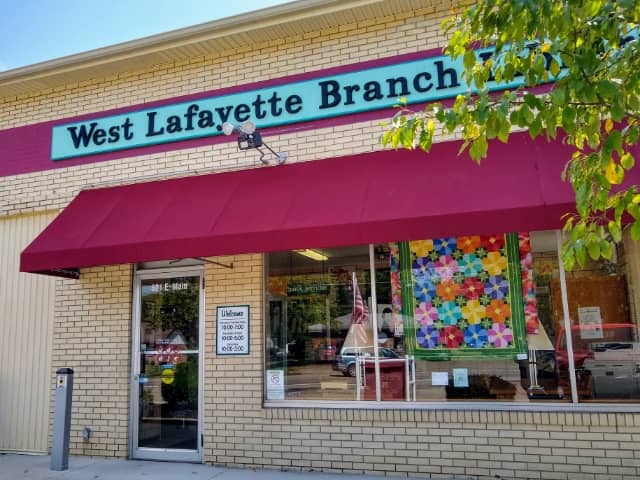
{"type": "Point", "coordinates": [33, 31]}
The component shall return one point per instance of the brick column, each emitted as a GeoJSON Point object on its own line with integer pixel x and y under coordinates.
{"type": "Point", "coordinates": [92, 335]}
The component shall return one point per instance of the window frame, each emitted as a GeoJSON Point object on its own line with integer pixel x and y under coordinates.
{"type": "Point", "coordinates": [548, 406]}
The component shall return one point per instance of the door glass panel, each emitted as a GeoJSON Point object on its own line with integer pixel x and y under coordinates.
{"type": "Point", "coordinates": [168, 393]}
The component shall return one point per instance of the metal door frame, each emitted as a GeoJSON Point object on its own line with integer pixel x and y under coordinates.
{"type": "Point", "coordinates": [164, 454]}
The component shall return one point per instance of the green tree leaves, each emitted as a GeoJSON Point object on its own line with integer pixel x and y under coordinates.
{"type": "Point", "coordinates": [590, 51]}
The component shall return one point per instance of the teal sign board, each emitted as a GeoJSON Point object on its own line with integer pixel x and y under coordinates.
{"type": "Point", "coordinates": [348, 93]}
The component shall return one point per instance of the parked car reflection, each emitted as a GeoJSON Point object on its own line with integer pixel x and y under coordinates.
{"type": "Point", "coordinates": [345, 361]}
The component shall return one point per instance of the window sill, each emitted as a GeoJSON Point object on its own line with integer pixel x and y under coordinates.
{"type": "Point", "coordinates": [461, 406]}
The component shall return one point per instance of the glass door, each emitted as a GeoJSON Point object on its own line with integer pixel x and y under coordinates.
{"type": "Point", "coordinates": [166, 407]}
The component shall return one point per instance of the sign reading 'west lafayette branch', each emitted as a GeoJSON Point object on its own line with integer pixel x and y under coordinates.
{"type": "Point", "coordinates": [363, 90]}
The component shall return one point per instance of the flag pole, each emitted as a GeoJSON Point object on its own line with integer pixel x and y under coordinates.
{"type": "Point", "coordinates": [352, 329]}
{"type": "Point", "coordinates": [353, 291]}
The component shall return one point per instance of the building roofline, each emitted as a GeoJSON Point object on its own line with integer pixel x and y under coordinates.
{"type": "Point", "coordinates": [280, 21]}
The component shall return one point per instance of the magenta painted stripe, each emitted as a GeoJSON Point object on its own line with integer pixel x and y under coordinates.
{"type": "Point", "coordinates": [27, 149]}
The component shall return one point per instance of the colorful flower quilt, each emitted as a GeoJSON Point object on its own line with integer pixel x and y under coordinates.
{"type": "Point", "coordinates": [463, 291]}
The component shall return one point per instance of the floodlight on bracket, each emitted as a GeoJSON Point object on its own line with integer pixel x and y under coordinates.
{"type": "Point", "coordinates": [249, 137]}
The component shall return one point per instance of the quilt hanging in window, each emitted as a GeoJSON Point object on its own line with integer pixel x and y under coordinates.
{"type": "Point", "coordinates": [471, 296]}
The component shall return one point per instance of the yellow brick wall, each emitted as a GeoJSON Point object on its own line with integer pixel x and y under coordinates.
{"type": "Point", "coordinates": [444, 444]}
{"type": "Point", "coordinates": [92, 335]}
{"type": "Point", "coordinates": [34, 192]}
{"type": "Point", "coordinates": [233, 384]}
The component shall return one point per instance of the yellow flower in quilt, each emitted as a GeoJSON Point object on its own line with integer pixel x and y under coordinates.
{"type": "Point", "coordinates": [495, 263]}
{"type": "Point", "coordinates": [473, 312]}
{"type": "Point", "coordinates": [421, 248]}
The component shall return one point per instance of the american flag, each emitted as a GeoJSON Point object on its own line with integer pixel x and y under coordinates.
{"type": "Point", "coordinates": [360, 311]}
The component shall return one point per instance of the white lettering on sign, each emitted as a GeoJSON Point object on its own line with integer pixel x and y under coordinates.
{"type": "Point", "coordinates": [169, 287]}
{"type": "Point", "coordinates": [232, 329]}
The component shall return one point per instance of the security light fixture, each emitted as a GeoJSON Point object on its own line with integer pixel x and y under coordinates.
{"type": "Point", "coordinates": [249, 138]}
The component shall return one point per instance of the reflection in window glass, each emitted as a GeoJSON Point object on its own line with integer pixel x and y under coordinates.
{"type": "Point", "coordinates": [604, 332]}
{"type": "Point", "coordinates": [168, 386]}
{"type": "Point", "coordinates": [318, 311]}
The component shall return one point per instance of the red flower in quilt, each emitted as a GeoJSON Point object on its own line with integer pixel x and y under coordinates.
{"type": "Point", "coordinates": [493, 243]}
{"type": "Point", "coordinates": [472, 288]}
{"type": "Point", "coordinates": [524, 241]}
{"type": "Point", "coordinates": [451, 337]}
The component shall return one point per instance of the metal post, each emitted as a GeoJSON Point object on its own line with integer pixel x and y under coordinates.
{"type": "Point", "coordinates": [62, 420]}
{"type": "Point", "coordinates": [374, 324]}
{"type": "Point", "coordinates": [413, 376]}
{"type": "Point", "coordinates": [564, 296]}
{"type": "Point", "coordinates": [358, 373]}
{"type": "Point", "coordinates": [407, 380]}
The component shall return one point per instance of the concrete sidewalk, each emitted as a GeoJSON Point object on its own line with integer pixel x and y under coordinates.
{"type": "Point", "coordinates": [36, 467]}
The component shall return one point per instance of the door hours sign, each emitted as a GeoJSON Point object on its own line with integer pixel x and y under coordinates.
{"type": "Point", "coordinates": [232, 329]}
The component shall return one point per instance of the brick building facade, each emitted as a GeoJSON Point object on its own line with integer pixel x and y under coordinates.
{"type": "Point", "coordinates": [94, 321]}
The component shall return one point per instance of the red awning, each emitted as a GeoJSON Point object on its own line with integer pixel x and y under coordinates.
{"type": "Point", "coordinates": [366, 198]}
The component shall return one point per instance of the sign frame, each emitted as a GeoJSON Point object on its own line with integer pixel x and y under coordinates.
{"type": "Point", "coordinates": [245, 318]}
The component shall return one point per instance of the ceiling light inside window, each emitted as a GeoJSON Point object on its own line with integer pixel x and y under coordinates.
{"type": "Point", "coordinates": [313, 254]}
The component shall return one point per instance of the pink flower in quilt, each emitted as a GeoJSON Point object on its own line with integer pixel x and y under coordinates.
{"type": "Point", "coordinates": [445, 267]}
{"type": "Point", "coordinates": [426, 314]}
{"type": "Point", "coordinates": [531, 318]}
{"type": "Point", "coordinates": [500, 336]}
{"type": "Point", "coordinates": [395, 281]}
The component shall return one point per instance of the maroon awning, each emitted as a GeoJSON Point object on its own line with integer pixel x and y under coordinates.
{"type": "Point", "coordinates": [367, 198]}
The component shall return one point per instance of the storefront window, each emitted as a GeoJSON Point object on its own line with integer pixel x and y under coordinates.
{"type": "Point", "coordinates": [469, 318]}
{"type": "Point", "coordinates": [317, 302]}
{"type": "Point", "coordinates": [604, 331]}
